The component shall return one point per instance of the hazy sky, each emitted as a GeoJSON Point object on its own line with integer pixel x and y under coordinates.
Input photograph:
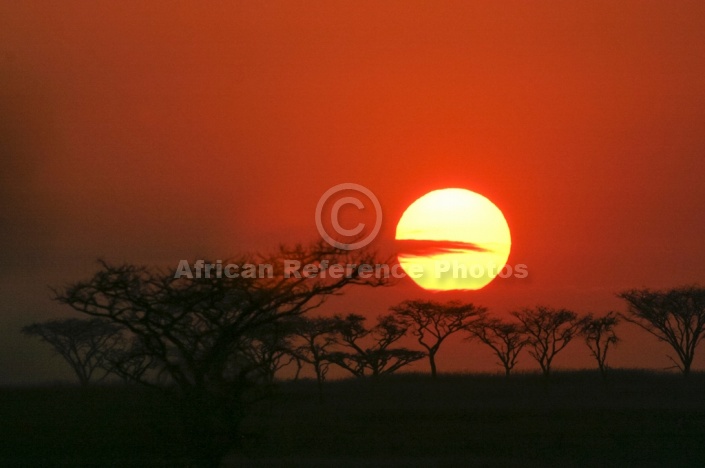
{"type": "Point", "coordinates": [175, 130]}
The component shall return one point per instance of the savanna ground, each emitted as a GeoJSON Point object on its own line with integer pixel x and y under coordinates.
{"type": "Point", "coordinates": [635, 419]}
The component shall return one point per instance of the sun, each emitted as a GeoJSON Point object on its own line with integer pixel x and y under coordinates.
{"type": "Point", "coordinates": [453, 239]}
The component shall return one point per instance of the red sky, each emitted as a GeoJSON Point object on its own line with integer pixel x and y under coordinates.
{"type": "Point", "coordinates": [152, 133]}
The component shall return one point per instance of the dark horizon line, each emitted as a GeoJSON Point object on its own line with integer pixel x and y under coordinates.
{"type": "Point", "coordinates": [660, 372]}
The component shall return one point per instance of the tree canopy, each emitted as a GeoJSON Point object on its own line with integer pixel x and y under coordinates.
{"type": "Point", "coordinates": [675, 316]}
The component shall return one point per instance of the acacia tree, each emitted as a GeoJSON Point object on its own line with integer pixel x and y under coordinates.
{"type": "Point", "coordinates": [432, 322]}
{"type": "Point", "coordinates": [129, 360]}
{"type": "Point", "coordinates": [85, 344]}
{"type": "Point", "coordinates": [198, 331]}
{"type": "Point", "coordinates": [377, 357]}
{"type": "Point", "coordinates": [599, 335]}
{"type": "Point", "coordinates": [313, 338]}
{"type": "Point", "coordinates": [270, 348]}
{"type": "Point", "coordinates": [675, 316]}
{"type": "Point", "coordinates": [548, 331]}
{"type": "Point", "coordinates": [506, 340]}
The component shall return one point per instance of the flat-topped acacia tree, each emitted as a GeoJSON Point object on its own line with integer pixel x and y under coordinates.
{"type": "Point", "coordinates": [198, 332]}
{"type": "Point", "coordinates": [548, 331]}
{"type": "Point", "coordinates": [599, 336]}
{"type": "Point", "coordinates": [370, 350]}
{"type": "Point", "coordinates": [431, 322]}
{"type": "Point", "coordinates": [505, 339]}
{"type": "Point", "coordinates": [313, 338]}
{"type": "Point", "coordinates": [675, 316]}
{"type": "Point", "coordinates": [87, 345]}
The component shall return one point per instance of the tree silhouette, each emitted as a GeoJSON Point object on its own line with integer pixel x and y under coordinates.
{"type": "Point", "coordinates": [86, 345]}
{"type": "Point", "coordinates": [548, 331]}
{"type": "Point", "coordinates": [379, 358]}
{"type": "Point", "coordinates": [675, 316]}
{"type": "Point", "coordinates": [506, 340]}
{"type": "Point", "coordinates": [270, 348]}
{"type": "Point", "coordinates": [599, 334]}
{"type": "Point", "coordinates": [199, 331]}
{"type": "Point", "coordinates": [432, 322]}
{"type": "Point", "coordinates": [315, 337]}
{"type": "Point", "coordinates": [129, 360]}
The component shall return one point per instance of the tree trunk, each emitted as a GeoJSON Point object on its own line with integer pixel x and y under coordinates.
{"type": "Point", "coordinates": [432, 361]}
{"type": "Point", "coordinates": [319, 381]}
{"type": "Point", "coordinates": [686, 369]}
{"type": "Point", "coordinates": [298, 370]}
{"type": "Point", "coordinates": [546, 368]}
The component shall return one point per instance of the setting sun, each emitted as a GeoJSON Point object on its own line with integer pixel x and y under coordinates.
{"type": "Point", "coordinates": [453, 239]}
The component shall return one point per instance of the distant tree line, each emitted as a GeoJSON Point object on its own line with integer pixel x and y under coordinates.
{"type": "Point", "coordinates": [214, 345]}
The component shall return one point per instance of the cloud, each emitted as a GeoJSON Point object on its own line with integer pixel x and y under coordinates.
{"type": "Point", "coordinates": [425, 248]}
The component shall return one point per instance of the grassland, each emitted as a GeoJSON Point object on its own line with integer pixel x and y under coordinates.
{"type": "Point", "coordinates": [634, 418]}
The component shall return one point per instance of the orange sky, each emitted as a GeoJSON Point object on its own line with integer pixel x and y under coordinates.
{"type": "Point", "coordinates": [155, 133]}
